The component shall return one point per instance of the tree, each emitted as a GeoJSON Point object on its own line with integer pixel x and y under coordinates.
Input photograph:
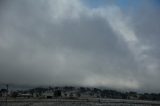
{"type": "Point", "coordinates": [57, 93]}
{"type": "Point", "coordinates": [78, 94]}
{"type": "Point", "coordinates": [14, 94]}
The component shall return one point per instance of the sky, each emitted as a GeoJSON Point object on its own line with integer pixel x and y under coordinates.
{"type": "Point", "coordinates": [105, 43]}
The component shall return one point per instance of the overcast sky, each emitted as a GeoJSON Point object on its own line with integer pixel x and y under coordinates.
{"type": "Point", "coordinates": [112, 43]}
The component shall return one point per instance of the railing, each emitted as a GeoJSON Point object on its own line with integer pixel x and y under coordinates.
{"type": "Point", "coordinates": [77, 102]}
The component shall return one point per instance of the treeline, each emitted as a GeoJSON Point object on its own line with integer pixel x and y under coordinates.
{"type": "Point", "coordinates": [99, 93]}
{"type": "Point", "coordinates": [80, 92]}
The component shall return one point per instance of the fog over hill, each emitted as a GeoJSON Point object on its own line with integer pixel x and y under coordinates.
{"type": "Point", "coordinates": [68, 42]}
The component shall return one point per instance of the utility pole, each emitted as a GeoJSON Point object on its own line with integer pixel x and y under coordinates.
{"type": "Point", "coordinates": [6, 94]}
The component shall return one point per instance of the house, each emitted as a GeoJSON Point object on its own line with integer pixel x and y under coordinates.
{"type": "Point", "coordinates": [27, 95]}
{"type": "Point", "coordinates": [48, 94]}
{"type": "Point", "coordinates": [70, 94]}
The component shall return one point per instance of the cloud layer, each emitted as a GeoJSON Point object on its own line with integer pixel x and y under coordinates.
{"type": "Point", "coordinates": [65, 42]}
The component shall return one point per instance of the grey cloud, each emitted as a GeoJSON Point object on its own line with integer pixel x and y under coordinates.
{"type": "Point", "coordinates": [66, 43]}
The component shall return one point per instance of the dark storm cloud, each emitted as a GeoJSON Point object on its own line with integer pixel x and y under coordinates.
{"type": "Point", "coordinates": [64, 42]}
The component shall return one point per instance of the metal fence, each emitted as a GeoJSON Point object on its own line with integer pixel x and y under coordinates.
{"type": "Point", "coordinates": [87, 102]}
